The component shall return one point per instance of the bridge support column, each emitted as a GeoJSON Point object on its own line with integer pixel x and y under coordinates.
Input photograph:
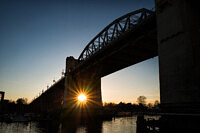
{"type": "Point", "coordinates": [85, 83]}
{"type": "Point", "coordinates": [69, 81]}
{"type": "Point", "coordinates": [179, 54]}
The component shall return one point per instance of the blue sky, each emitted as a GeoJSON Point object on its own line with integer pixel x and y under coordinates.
{"type": "Point", "coordinates": [36, 36]}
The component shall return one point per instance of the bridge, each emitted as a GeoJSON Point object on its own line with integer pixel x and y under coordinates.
{"type": "Point", "coordinates": [130, 39]}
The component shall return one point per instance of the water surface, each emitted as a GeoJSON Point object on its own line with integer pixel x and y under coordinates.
{"type": "Point", "coordinates": [116, 125]}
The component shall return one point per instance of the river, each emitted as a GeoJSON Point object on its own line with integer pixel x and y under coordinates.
{"type": "Point", "coordinates": [116, 125]}
{"type": "Point", "coordinates": [168, 123]}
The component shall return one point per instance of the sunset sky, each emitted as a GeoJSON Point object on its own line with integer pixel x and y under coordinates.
{"type": "Point", "coordinates": [36, 36]}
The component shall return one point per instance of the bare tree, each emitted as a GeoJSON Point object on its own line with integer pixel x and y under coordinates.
{"type": "Point", "coordinates": [141, 100]}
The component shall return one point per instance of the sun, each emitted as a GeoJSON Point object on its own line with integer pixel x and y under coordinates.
{"type": "Point", "coordinates": [82, 98]}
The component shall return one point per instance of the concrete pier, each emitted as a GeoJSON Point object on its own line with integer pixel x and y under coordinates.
{"type": "Point", "coordinates": [179, 54]}
{"type": "Point", "coordinates": [75, 84]}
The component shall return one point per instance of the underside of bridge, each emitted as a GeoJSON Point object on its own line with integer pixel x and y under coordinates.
{"type": "Point", "coordinates": [125, 52]}
{"type": "Point", "coordinates": [128, 49]}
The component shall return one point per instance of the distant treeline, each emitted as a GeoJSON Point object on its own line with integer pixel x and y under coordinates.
{"type": "Point", "coordinates": [18, 106]}
{"type": "Point", "coordinates": [141, 106]}
{"type": "Point", "coordinates": [21, 106]}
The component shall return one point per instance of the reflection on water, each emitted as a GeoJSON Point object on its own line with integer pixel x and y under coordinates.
{"type": "Point", "coordinates": [117, 125]}
{"type": "Point", "coordinates": [31, 127]}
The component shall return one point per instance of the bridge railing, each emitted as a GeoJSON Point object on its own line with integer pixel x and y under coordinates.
{"type": "Point", "coordinates": [114, 30]}
{"type": "Point", "coordinates": [49, 87]}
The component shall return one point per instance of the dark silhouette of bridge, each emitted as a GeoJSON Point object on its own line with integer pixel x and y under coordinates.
{"type": "Point", "coordinates": [130, 39]}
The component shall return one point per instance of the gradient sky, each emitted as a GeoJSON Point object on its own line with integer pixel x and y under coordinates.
{"type": "Point", "coordinates": [36, 36]}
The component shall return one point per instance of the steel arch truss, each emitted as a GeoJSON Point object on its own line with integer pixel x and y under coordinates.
{"type": "Point", "coordinates": [115, 29]}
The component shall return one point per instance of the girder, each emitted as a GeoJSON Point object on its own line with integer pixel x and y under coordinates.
{"type": "Point", "coordinates": [114, 30]}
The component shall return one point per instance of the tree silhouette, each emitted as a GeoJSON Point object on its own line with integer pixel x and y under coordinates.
{"type": "Point", "coordinates": [141, 100]}
{"type": "Point", "coordinates": [156, 103]}
{"type": "Point", "coordinates": [22, 101]}
{"type": "Point", "coordinates": [149, 105]}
